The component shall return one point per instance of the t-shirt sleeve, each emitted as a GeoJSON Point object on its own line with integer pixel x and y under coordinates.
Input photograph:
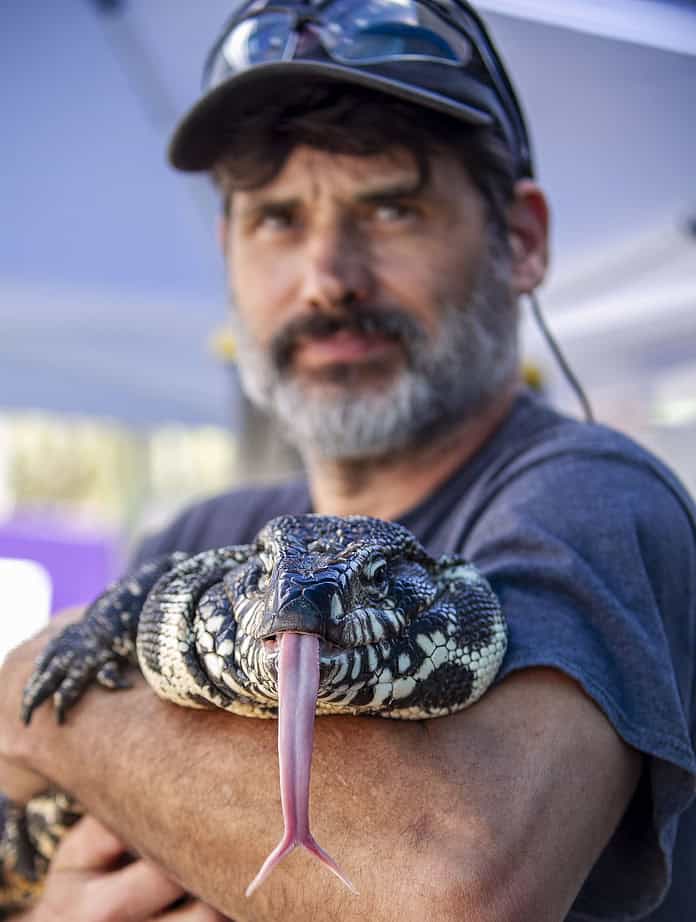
{"type": "Point", "coordinates": [594, 562]}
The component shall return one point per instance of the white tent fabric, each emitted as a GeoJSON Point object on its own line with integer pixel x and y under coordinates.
{"type": "Point", "coordinates": [656, 23]}
{"type": "Point", "coordinates": [110, 279]}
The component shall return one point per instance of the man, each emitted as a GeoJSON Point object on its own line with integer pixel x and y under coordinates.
{"type": "Point", "coordinates": [381, 223]}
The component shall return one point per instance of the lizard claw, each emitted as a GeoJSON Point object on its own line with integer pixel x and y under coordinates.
{"type": "Point", "coordinates": [71, 661]}
{"type": "Point", "coordinates": [99, 647]}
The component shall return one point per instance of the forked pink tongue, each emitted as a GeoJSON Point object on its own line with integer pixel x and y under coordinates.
{"type": "Point", "coordinates": [298, 686]}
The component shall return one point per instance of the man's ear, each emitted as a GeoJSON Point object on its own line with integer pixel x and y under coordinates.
{"type": "Point", "coordinates": [528, 235]}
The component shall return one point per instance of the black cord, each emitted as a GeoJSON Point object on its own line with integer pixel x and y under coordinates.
{"type": "Point", "coordinates": [561, 359]}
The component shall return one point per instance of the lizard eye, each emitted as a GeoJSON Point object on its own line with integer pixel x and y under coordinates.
{"type": "Point", "coordinates": [375, 573]}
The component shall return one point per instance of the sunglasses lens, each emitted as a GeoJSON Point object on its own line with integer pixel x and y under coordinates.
{"type": "Point", "coordinates": [260, 40]}
{"type": "Point", "coordinates": [383, 30]}
{"type": "Point", "coordinates": [352, 31]}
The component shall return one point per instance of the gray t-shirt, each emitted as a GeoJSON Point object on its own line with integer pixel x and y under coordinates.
{"type": "Point", "coordinates": [590, 543]}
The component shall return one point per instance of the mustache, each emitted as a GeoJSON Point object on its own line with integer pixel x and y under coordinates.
{"type": "Point", "coordinates": [367, 321]}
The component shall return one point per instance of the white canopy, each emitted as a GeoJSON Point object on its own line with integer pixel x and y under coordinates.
{"type": "Point", "coordinates": [110, 280]}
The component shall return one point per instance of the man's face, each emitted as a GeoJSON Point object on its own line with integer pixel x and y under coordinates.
{"type": "Point", "coordinates": [368, 311]}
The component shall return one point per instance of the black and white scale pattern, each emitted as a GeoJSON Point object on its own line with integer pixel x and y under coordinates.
{"type": "Point", "coordinates": [402, 634]}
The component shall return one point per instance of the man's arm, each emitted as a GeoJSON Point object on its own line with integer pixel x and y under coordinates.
{"type": "Point", "coordinates": [492, 815]}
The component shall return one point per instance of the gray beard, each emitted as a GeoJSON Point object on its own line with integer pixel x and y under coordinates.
{"type": "Point", "coordinates": [447, 380]}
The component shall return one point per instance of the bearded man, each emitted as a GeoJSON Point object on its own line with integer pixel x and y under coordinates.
{"type": "Point", "coordinates": [381, 224]}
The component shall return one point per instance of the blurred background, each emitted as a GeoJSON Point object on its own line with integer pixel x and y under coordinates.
{"type": "Point", "coordinates": [119, 399]}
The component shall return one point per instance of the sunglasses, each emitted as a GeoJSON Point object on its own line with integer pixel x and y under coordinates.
{"type": "Point", "coordinates": [357, 33]}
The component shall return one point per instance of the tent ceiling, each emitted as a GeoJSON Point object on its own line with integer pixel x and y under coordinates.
{"type": "Point", "coordinates": [110, 281]}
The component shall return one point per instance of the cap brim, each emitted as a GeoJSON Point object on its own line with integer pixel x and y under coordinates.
{"type": "Point", "coordinates": [203, 134]}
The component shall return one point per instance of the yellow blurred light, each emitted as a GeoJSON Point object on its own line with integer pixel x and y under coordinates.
{"type": "Point", "coordinates": [223, 345]}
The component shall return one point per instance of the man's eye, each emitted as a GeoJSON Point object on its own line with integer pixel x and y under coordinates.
{"type": "Point", "coordinates": [276, 219]}
{"type": "Point", "coordinates": [393, 212]}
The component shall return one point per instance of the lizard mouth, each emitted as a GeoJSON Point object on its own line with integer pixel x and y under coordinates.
{"type": "Point", "coordinates": [270, 645]}
{"type": "Point", "coordinates": [327, 649]}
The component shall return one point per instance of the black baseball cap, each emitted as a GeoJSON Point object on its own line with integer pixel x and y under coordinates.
{"type": "Point", "coordinates": [434, 53]}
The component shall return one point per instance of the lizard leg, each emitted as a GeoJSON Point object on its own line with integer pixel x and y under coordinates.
{"type": "Point", "coordinates": [29, 836]}
{"type": "Point", "coordinates": [97, 648]}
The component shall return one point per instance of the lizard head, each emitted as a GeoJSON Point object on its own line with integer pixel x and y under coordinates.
{"type": "Point", "coordinates": [356, 583]}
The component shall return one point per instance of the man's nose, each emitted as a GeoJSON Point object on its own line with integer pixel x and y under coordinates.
{"type": "Point", "coordinates": [337, 271]}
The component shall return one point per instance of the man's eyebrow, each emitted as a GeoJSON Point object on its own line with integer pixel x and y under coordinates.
{"type": "Point", "coordinates": [390, 191]}
{"type": "Point", "coordinates": [265, 202]}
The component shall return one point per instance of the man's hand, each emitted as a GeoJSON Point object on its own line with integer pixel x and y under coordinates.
{"type": "Point", "coordinates": [18, 780]}
{"type": "Point", "coordinates": [89, 881]}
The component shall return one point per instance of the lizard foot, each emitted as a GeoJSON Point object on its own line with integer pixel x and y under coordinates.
{"type": "Point", "coordinates": [73, 660]}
